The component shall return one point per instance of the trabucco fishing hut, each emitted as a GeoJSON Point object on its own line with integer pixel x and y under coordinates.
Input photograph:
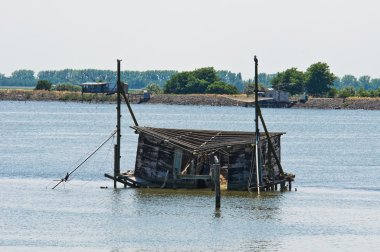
{"type": "Point", "coordinates": [191, 158]}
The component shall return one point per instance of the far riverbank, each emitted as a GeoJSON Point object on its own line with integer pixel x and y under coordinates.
{"type": "Point", "coordinates": [191, 99]}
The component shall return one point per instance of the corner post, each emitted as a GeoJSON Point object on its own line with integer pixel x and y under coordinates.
{"type": "Point", "coordinates": [118, 126]}
{"type": "Point", "coordinates": [257, 132]}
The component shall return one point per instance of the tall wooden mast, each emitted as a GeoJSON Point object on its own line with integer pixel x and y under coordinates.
{"type": "Point", "coordinates": [257, 142]}
{"type": "Point", "coordinates": [118, 126]}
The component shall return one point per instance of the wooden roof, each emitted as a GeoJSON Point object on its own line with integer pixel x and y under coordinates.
{"type": "Point", "coordinates": [94, 84]}
{"type": "Point", "coordinates": [197, 141]}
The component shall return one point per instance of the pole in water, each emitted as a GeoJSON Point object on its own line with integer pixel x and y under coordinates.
{"type": "Point", "coordinates": [216, 173]}
{"type": "Point", "coordinates": [217, 186]}
{"type": "Point", "coordinates": [257, 167]}
{"type": "Point", "coordinates": [257, 132]}
{"type": "Point", "coordinates": [115, 162]}
{"type": "Point", "coordinates": [118, 126]}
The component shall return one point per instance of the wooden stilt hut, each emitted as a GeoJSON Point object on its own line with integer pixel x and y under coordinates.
{"type": "Point", "coordinates": [186, 158]}
{"type": "Point", "coordinates": [182, 158]}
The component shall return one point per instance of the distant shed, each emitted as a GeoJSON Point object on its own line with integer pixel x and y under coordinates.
{"type": "Point", "coordinates": [175, 156]}
{"type": "Point", "coordinates": [277, 95]}
{"type": "Point", "coordinates": [100, 87]}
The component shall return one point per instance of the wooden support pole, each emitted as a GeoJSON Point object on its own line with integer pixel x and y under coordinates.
{"type": "Point", "coordinates": [270, 168]}
{"type": "Point", "coordinates": [217, 187]}
{"type": "Point", "coordinates": [257, 132]}
{"type": "Point", "coordinates": [282, 186]}
{"type": "Point", "coordinates": [129, 107]}
{"type": "Point", "coordinates": [115, 164]}
{"type": "Point", "coordinates": [270, 143]}
{"type": "Point", "coordinates": [118, 126]}
{"type": "Point", "coordinates": [174, 178]}
{"type": "Point", "coordinates": [257, 164]}
{"type": "Point", "coordinates": [216, 177]}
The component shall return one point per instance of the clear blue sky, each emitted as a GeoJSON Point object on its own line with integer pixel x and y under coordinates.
{"type": "Point", "coordinates": [189, 34]}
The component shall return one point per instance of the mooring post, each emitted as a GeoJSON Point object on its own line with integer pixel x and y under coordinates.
{"type": "Point", "coordinates": [217, 186]}
{"type": "Point", "coordinates": [282, 186]}
{"type": "Point", "coordinates": [216, 178]}
{"type": "Point", "coordinates": [213, 177]}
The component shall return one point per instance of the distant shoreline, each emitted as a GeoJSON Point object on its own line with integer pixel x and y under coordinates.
{"type": "Point", "coordinates": [191, 99]}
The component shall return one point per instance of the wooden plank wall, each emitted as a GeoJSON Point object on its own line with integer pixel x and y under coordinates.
{"type": "Point", "coordinates": [154, 158]}
{"type": "Point", "coordinates": [241, 158]}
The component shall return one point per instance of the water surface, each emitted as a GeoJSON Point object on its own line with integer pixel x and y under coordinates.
{"type": "Point", "coordinates": [334, 154]}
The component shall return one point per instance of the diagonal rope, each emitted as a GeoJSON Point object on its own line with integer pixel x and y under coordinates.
{"type": "Point", "coordinates": [64, 179]}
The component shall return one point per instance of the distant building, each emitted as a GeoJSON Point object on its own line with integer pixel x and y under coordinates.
{"type": "Point", "coordinates": [278, 96]}
{"type": "Point", "coordinates": [101, 87]}
{"type": "Point", "coordinates": [303, 98]}
{"type": "Point", "coordinates": [146, 95]}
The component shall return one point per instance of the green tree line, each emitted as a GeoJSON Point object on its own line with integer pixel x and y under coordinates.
{"type": "Point", "coordinates": [317, 80]}
{"type": "Point", "coordinates": [135, 79]}
{"type": "Point", "coordinates": [363, 82]}
{"type": "Point", "coordinates": [19, 78]}
{"type": "Point", "coordinates": [199, 81]}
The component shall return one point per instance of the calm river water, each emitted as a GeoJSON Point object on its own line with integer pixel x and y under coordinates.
{"type": "Point", "coordinates": [335, 155]}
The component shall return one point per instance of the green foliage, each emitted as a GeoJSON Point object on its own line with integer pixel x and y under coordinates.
{"type": "Point", "coordinates": [350, 91]}
{"type": "Point", "coordinates": [375, 84]}
{"type": "Point", "coordinates": [67, 87]}
{"type": "Point", "coordinates": [375, 93]}
{"type": "Point", "coordinates": [364, 85]}
{"type": "Point", "coordinates": [266, 79]}
{"type": "Point", "coordinates": [19, 78]}
{"type": "Point", "coordinates": [153, 88]}
{"type": "Point", "coordinates": [249, 87]}
{"type": "Point", "coordinates": [365, 82]}
{"type": "Point", "coordinates": [43, 85]}
{"type": "Point", "coordinates": [346, 92]}
{"type": "Point", "coordinates": [207, 74]}
{"type": "Point", "coordinates": [333, 92]}
{"type": "Point", "coordinates": [319, 79]}
{"type": "Point", "coordinates": [198, 82]}
{"type": "Point", "coordinates": [178, 82]}
{"type": "Point", "coordinates": [368, 93]}
{"type": "Point", "coordinates": [220, 87]}
{"type": "Point", "coordinates": [232, 78]}
{"type": "Point", "coordinates": [348, 81]}
{"type": "Point", "coordinates": [291, 80]}
{"type": "Point", "coordinates": [24, 77]}
{"type": "Point", "coordinates": [135, 79]}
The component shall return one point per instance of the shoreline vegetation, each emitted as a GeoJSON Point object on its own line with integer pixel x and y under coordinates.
{"type": "Point", "coordinates": [189, 99]}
